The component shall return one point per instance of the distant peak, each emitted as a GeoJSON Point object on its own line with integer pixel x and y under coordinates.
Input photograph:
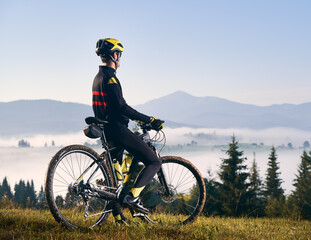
{"type": "Point", "coordinates": [181, 94]}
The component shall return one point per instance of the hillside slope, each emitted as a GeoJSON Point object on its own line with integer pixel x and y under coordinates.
{"type": "Point", "coordinates": [178, 110]}
{"type": "Point", "coordinates": [221, 113]}
{"type": "Point", "coordinates": [42, 116]}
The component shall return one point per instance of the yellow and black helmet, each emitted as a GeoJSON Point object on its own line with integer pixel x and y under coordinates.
{"type": "Point", "coordinates": [108, 46]}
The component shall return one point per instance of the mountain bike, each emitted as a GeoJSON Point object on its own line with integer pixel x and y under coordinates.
{"type": "Point", "coordinates": [82, 185]}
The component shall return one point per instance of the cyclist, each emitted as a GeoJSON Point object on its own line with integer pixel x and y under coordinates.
{"type": "Point", "coordinates": [109, 104]}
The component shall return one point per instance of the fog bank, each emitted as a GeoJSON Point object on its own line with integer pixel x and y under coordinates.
{"type": "Point", "coordinates": [203, 136]}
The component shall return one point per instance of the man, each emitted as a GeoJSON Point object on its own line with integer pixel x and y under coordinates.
{"type": "Point", "coordinates": [109, 104]}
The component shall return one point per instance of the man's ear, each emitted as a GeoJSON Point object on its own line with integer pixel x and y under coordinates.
{"type": "Point", "coordinates": [115, 55]}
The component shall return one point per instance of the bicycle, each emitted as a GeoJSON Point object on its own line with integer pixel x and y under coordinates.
{"type": "Point", "coordinates": [81, 185]}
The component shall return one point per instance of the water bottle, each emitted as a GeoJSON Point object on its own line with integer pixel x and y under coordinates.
{"type": "Point", "coordinates": [118, 170]}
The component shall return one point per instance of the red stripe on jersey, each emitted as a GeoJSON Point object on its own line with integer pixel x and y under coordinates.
{"type": "Point", "coordinates": [99, 93]}
{"type": "Point", "coordinates": [100, 103]}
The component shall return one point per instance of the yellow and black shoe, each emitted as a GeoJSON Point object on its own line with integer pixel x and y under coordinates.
{"type": "Point", "coordinates": [134, 203]}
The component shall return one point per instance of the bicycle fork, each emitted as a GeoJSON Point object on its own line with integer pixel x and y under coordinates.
{"type": "Point", "coordinates": [163, 182]}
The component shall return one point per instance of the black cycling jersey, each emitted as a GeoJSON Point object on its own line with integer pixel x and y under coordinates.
{"type": "Point", "coordinates": [108, 102]}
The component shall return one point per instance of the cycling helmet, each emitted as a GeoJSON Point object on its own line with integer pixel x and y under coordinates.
{"type": "Point", "coordinates": [107, 46]}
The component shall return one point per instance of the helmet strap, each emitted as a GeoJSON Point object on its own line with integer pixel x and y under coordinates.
{"type": "Point", "coordinates": [115, 61]}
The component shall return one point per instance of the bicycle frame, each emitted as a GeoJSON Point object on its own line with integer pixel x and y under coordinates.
{"type": "Point", "coordinates": [91, 182]}
{"type": "Point", "coordinates": [107, 156]}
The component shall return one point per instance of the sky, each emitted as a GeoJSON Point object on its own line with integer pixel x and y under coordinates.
{"type": "Point", "coordinates": [256, 52]}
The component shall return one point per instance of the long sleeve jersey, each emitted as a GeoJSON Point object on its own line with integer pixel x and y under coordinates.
{"type": "Point", "coordinates": [108, 102]}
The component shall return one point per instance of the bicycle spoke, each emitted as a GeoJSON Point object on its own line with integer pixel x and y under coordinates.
{"type": "Point", "coordinates": [180, 176]}
{"type": "Point", "coordinates": [190, 205]}
{"type": "Point", "coordinates": [169, 175]}
{"type": "Point", "coordinates": [62, 178]}
{"type": "Point", "coordinates": [175, 172]}
{"type": "Point", "coordinates": [184, 199]}
{"type": "Point", "coordinates": [66, 171]}
{"type": "Point", "coordinates": [182, 183]}
{"type": "Point", "coordinates": [79, 165]}
{"type": "Point", "coordinates": [65, 184]}
{"type": "Point", "coordinates": [71, 196]}
{"type": "Point", "coordinates": [61, 186]}
{"type": "Point", "coordinates": [59, 191]}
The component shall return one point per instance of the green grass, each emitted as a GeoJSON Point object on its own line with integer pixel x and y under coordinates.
{"type": "Point", "coordinates": [35, 224]}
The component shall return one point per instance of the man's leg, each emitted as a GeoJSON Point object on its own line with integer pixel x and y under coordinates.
{"type": "Point", "coordinates": [116, 156]}
{"type": "Point", "coordinates": [134, 145]}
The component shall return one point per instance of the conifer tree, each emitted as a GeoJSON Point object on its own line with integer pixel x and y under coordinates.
{"type": "Point", "coordinates": [233, 187]}
{"type": "Point", "coordinates": [255, 191]}
{"type": "Point", "coordinates": [20, 193]}
{"type": "Point", "coordinates": [255, 181]}
{"type": "Point", "coordinates": [41, 204]}
{"type": "Point", "coordinates": [212, 204]}
{"type": "Point", "coordinates": [6, 189]}
{"type": "Point", "coordinates": [59, 201]}
{"type": "Point", "coordinates": [302, 192]}
{"type": "Point", "coordinates": [274, 193]}
{"type": "Point", "coordinates": [273, 182]}
{"type": "Point", "coordinates": [30, 195]}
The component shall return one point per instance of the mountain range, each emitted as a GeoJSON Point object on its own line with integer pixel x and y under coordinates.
{"type": "Point", "coordinates": [213, 112]}
{"type": "Point", "coordinates": [179, 109]}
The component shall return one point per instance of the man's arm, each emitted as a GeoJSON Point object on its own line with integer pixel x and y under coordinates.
{"type": "Point", "coordinates": [119, 104]}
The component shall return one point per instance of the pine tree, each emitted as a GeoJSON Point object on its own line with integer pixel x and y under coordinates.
{"type": "Point", "coordinates": [20, 193]}
{"type": "Point", "coordinates": [30, 195]}
{"type": "Point", "coordinates": [302, 192]}
{"type": "Point", "coordinates": [41, 204]}
{"type": "Point", "coordinates": [1, 193]}
{"type": "Point", "coordinates": [212, 204]}
{"type": "Point", "coordinates": [255, 181]}
{"type": "Point", "coordinates": [273, 183]}
{"type": "Point", "coordinates": [233, 187]}
{"type": "Point", "coordinates": [59, 201]}
{"type": "Point", "coordinates": [6, 189]}
{"type": "Point", "coordinates": [255, 191]}
{"type": "Point", "coordinates": [274, 194]}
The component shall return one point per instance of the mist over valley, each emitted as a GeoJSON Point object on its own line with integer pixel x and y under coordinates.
{"type": "Point", "coordinates": [197, 128]}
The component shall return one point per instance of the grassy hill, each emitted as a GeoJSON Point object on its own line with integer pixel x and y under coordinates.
{"type": "Point", "coordinates": [35, 224]}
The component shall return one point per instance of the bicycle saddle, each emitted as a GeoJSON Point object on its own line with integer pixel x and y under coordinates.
{"type": "Point", "coordinates": [96, 121]}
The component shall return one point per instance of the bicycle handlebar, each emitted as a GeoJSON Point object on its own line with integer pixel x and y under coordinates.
{"type": "Point", "coordinates": [147, 126]}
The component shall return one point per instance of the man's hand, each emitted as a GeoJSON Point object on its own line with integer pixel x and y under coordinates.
{"type": "Point", "coordinates": [156, 124]}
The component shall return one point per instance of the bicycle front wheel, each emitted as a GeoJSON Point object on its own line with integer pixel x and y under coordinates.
{"type": "Point", "coordinates": [72, 172]}
{"type": "Point", "coordinates": [183, 198]}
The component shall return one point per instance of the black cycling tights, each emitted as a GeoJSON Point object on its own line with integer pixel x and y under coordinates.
{"type": "Point", "coordinates": [123, 138]}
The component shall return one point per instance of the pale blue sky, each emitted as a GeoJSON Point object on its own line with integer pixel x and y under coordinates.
{"type": "Point", "coordinates": [256, 52]}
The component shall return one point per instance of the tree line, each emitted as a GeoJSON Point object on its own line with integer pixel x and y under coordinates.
{"type": "Point", "coordinates": [238, 191]}
{"type": "Point", "coordinates": [24, 195]}
{"type": "Point", "coordinates": [241, 192]}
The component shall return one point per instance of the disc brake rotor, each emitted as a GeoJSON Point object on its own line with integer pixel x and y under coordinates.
{"type": "Point", "coordinates": [167, 198]}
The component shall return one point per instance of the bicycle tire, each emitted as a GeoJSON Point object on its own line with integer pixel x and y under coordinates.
{"type": "Point", "coordinates": [75, 154]}
{"type": "Point", "coordinates": [179, 203]}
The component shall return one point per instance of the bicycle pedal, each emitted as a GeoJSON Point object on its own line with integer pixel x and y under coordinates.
{"type": "Point", "coordinates": [138, 214]}
{"type": "Point", "coordinates": [143, 216]}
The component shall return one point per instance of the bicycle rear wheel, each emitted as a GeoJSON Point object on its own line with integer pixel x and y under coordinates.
{"type": "Point", "coordinates": [68, 195]}
{"type": "Point", "coordinates": [186, 197]}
